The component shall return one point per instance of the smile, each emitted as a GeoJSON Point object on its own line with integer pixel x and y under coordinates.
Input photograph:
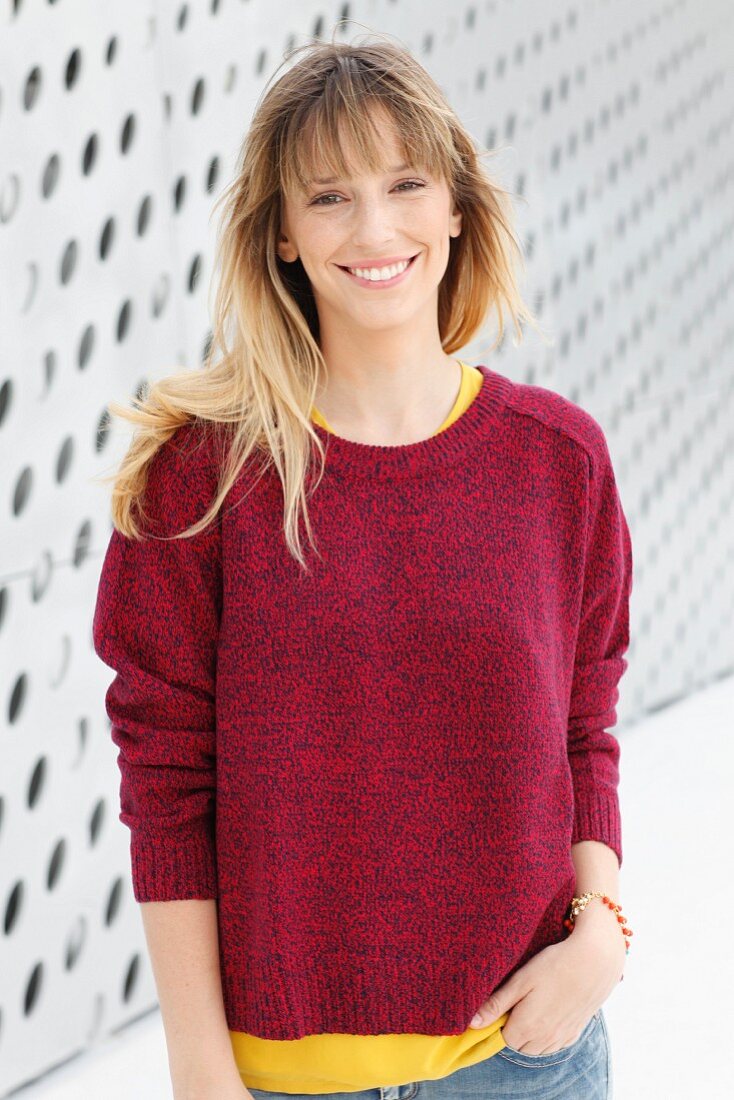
{"type": "Point", "coordinates": [400, 273]}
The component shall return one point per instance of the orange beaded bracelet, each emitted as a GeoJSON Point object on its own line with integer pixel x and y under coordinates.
{"type": "Point", "coordinates": [577, 905]}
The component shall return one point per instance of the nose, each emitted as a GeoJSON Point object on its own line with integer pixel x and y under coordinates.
{"type": "Point", "coordinates": [372, 226]}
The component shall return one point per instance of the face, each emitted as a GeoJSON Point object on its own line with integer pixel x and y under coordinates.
{"type": "Point", "coordinates": [373, 221]}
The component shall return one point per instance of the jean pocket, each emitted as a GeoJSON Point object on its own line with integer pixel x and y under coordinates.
{"type": "Point", "coordinates": [513, 1055]}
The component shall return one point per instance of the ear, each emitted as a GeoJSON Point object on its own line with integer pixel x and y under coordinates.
{"type": "Point", "coordinates": [455, 222]}
{"type": "Point", "coordinates": [286, 250]}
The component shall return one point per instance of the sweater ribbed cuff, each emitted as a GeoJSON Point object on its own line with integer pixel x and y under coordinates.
{"type": "Point", "coordinates": [597, 817]}
{"type": "Point", "coordinates": [171, 867]}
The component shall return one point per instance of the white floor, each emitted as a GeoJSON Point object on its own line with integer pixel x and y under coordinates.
{"type": "Point", "coordinates": [670, 1020]}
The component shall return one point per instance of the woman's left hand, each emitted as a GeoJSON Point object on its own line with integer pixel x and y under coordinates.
{"type": "Point", "coordinates": [555, 994]}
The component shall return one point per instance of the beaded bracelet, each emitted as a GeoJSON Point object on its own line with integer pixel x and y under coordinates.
{"type": "Point", "coordinates": [577, 905]}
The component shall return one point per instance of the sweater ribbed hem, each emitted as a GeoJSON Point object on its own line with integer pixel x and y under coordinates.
{"type": "Point", "coordinates": [348, 458]}
{"type": "Point", "coordinates": [429, 994]}
{"type": "Point", "coordinates": [597, 817]}
{"type": "Point", "coordinates": [171, 868]}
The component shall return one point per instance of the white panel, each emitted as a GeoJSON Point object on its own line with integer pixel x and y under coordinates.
{"type": "Point", "coordinates": [612, 122]}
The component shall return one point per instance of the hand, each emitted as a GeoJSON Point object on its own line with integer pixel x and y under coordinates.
{"type": "Point", "coordinates": [556, 993]}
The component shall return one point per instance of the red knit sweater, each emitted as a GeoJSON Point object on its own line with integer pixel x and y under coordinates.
{"type": "Point", "coordinates": [378, 769]}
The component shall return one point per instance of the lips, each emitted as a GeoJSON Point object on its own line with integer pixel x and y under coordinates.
{"type": "Point", "coordinates": [375, 286]}
{"type": "Point", "coordinates": [368, 267]}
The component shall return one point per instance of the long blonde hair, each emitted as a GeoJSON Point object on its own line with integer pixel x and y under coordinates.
{"type": "Point", "coordinates": [263, 367]}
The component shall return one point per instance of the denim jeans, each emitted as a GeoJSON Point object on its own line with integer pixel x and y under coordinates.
{"type": "Point", "coordinates": [581, 1071]}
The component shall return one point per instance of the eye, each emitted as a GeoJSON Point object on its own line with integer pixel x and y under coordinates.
{"type": "Point", "coordinates": [319, 201]}
{"type": "Point", "coordinates": [332, 195]}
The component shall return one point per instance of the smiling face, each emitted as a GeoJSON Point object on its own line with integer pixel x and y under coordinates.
{"type": "Point", "coordinates": [374, 221]}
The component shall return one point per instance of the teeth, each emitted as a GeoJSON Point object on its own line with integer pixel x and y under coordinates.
{"type": "Point", "coordinates": [377, 274]}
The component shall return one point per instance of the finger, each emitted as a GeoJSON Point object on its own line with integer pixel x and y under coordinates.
{"type": "Point", "coordinates": [558, 1046]}
{"type": "Point", "coordinates": [500, 1002]}
{"type": "Point", "coordinates": [506, 996]}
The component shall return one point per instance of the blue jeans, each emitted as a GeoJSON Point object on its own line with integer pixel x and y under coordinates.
{"type": "Point", "coordinates": [581, 1071]}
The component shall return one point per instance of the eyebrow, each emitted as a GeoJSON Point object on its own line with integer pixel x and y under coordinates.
{"type": "Point", "coordinates": [334, 179]}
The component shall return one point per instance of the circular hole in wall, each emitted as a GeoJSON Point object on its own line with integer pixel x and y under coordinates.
{"type": "Point", "coordinates": [9, 197]}
{"type": "Point", "coordinates": [33, 989]}
{"type": "Point", "coordinates": [56, 864]}
{"type": "Point", "coordinates": [131, 978]}
{"type": "Point", "coordinates": [82, 544]}
{"type": "Point", "coordinates": [50, 175]}
{"type": "Point", "coordinates": [68, 261]}
{"type": "Point", "coordinates": [127, 135]}
{"type": "Point", "coordinates": [107, 238]}
{"type": "Point", "coordinates": [41, 576]}
{"type": "Point", "coordinates": [113, 902]}
{"type": "Point", "coordinates": [75, 941]}
{"type": "Point", "coordinates": [6, 399]}
{"type": "Point", "coordinates": [90, 153]}
{"type": "Point", "coordinates": [96, 821]}
{"type": "Point", "coordinates": [111, 51]}
{"type": "Point", "coordinates": [73, 68]}
{"type": "Point", "coordinates": [160, 294]}
{"type": "Point", "coordinates": [102, 434]}
{"type": "Point", "coordinates": [123, 321]}
{"type": "Point", "coordinates": [50, 363]}
{"type": "Point", "coordinates": [32, 88]}
{"type": "Point", "coordinates": [18, 697]}
{"type": "Point", "coordinates": [143, 219]}
{"type": "Point", "coordinates": [37, 782]}
{"type": "Point", "coordinates": [64, 460]}
{"type": "Point", "coordinates": [13, 907]}
{"type": "Point", "coordinates": [86, 346]}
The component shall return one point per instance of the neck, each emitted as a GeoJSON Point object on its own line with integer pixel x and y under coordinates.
{"type": "Point", "coordinates": [432, 453]}
{"type": "Point", "coordinates": [390, 406]}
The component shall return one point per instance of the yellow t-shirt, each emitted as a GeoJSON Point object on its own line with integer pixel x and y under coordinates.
{"type": "Point", "coordinates": [340, 1062]}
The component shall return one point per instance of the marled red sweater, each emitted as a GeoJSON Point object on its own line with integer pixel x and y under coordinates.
{"type": "Point", "coordinates": [377, 769]}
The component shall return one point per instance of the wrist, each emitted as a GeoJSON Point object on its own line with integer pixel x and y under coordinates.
{"type": "Point", "coordinates": [598, 922]}
{"type": "Point", "coordinates": [192, 1080]}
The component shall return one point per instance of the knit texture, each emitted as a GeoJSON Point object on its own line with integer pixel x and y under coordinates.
{"type": "Point", "coordinates": [378, 768]}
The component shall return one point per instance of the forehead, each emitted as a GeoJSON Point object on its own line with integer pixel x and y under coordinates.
{"type": "Point", "coordinates": [370, 141]}
{"type": "Point", "coordinates": [389, 155]}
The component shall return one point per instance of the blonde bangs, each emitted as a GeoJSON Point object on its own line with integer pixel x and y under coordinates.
{"type": "Point", "coordinates": [348, 117]}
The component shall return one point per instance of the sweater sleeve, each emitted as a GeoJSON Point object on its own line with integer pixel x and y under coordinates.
{"type": "Point", "coordinates": [156, 624]}
{"type": "Point", "coordinates": [602, 639]}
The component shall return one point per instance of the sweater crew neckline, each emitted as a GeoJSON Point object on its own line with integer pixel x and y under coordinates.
{"type": "Point", "coordinates": [444, 448]}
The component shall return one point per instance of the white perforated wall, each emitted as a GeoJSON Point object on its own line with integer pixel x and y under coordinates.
{"type": "Point", "coordinates": [119, 123]}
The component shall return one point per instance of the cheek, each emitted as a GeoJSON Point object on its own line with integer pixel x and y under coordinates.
{"type": "Point", "coordinates": [320, 248]}
{"type": "Point", "coordinates": [429, 227]}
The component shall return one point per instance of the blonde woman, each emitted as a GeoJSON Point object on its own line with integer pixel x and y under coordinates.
{"type": "Point", "coordinates": [366, 770]}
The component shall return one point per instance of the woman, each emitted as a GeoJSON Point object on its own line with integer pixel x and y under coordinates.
{"type": "Point", "coordinates": [375, 774]}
